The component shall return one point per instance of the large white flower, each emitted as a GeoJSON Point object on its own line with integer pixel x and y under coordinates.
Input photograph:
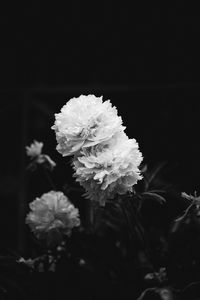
{"type": "Point", "coordinates": [52, 215]}
{"type": "Point", "coordinates": [109, 168]}
{"type": "Point", "coordinates": [84, 122]}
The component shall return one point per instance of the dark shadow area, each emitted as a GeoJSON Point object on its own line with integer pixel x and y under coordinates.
{"type": "Point", "coordinates": [145, 59]}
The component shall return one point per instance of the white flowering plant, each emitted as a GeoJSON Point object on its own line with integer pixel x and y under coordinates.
{"type": "Point", "coordinates": [100, 232]}
{"type": "Point", "coordinates": [107, 165]}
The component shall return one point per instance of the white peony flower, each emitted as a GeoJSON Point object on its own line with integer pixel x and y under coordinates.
{"type": "Point", "coordinates": [84, 122]}
{"type": "Point", "coordinates": [109, 168]}
{"type": "Point", "coordinates": [51, 216]}
{"type": "Point", "coordinates": [35, 149]}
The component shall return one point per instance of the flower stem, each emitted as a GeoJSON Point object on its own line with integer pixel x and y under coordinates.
{"type": "Point", "coordinates": [49, 179]}
{"type": "Point", "coordinates": [134, 225]}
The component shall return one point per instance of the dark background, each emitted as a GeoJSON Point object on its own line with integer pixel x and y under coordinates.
{"type": "Point", "coordinates": [144, 58]}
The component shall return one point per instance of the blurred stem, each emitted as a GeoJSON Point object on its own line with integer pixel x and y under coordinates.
{"type": "Point", "coordinates": [134, 225]}
{"type": "Point", "coordinates": [91, 214]}
{"type": "Point", "coordinates": [137, 221]}
{"type": "Point", "coordinates": [49, 179]}
{"type": "Point", "coordinates": [128, 221]}
{"type": "Point", "coordinates": [91, 207]}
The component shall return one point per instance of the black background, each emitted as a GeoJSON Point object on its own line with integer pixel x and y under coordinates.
{"type": "Point", "coordinates": [144, 58]}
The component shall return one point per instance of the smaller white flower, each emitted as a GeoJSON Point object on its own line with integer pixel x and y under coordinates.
{"type": "Point", "coordinates": [35, 149]}
{"type": "Point", "coordinates": [52, 216]}
{"type": "Point", "coordinates": [29, 262]}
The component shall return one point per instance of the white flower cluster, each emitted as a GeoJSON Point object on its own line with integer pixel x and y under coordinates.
{"type": "Point", "coordinates": [106, 161]}
{"type": "Point", "coordinates": [52, 215]}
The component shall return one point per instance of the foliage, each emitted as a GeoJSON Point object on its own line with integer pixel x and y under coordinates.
{"type": "Point", "coordinates": [136, 243]}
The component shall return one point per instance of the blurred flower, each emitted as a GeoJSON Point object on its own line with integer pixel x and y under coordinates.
{"type": "Point", "coordinates": [28, 262]}
{"type": "Point", "coordinates": [191, 213]}
{"type": "Point", "coordinates": [45, 159]}
{"type": "Point", "coordinates": [84, 122]}
{"type": "Point", "coordinates": [193, 199]}
{"type": "Point", "coordinates": [35, 149]}
{"type": "Point", "coordinates": [51, 216]}
{"type": "Point", "coordinates": [109, 168]}
{"type": "Point", "coordinates": [194, 203]}
{"type": "Point", "coordinates": [164, 293]}
{"type": "Point", "coordinates": [160, 276]}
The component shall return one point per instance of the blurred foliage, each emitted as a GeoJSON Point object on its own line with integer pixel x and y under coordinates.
{"type": "Point", "coordinates": [133, 248]}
